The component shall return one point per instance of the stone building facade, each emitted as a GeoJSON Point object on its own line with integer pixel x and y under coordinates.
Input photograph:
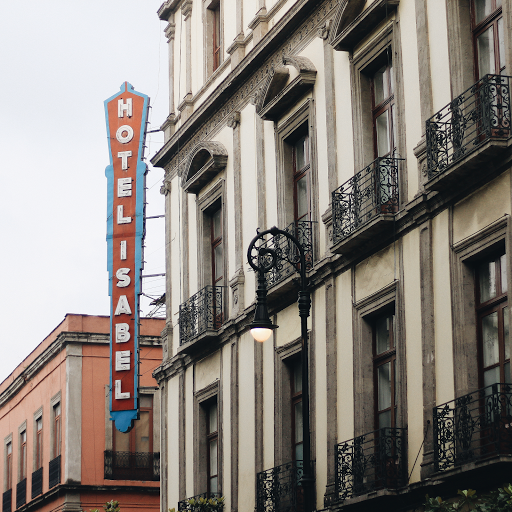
{"type": "Point", "coordinates": [378, 132]}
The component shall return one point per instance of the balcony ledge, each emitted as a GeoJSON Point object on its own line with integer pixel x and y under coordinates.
{"type": "Point", "coordinates": [380, 226]}
{"type": "Point", "coordinates": [469, 169]}
{"type": "Point", "coordinates": [210, 336]}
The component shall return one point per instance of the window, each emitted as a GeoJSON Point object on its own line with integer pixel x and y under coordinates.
{"type": "Point", "coordinates": [488, 37]}
{"type": "Point", "coordinates": [39, 443]}
{"type": "Point", "coordinates": [384, 370]}
{"type": "Point", "coordinates": [23, 455]}
{"type": "Point", "coordinates": [213, 36]}
{"type": "Point", "coordinates": [212, 437]}
{"type": "Point", "coordinates": [57, 427]}
{"type": "Point", "coordinates": [217, 248]}
{"type": "Point", "coordinates": [8, 466]}
{"type": "Point", "coordinates": [493, 321]}
{"type": "Point", "coordinates": [216, 36]}
{"type": "Point", "coordinates": [296, 402]}
{"type": "Point", "coordinates": [140, 437]}
{"type": "Point", "coordinates": [383, 106]}
{"type": "Point", "coordinates": [301, 177]}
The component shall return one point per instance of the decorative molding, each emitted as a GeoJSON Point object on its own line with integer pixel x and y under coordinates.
{"type": "Point", "coordinates": [182, 143]}
{"type": "Point", "coordinates": [234, 120]}
{"type": "Point", "coordinates": [324, 30]}
{"type": "Point", "coordinates": [170, 31]}
{"type": "Point", "coordinates": [186, 9]}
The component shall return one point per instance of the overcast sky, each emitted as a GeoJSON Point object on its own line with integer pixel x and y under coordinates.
{"type": "Point", "coordinates": [59, 60]}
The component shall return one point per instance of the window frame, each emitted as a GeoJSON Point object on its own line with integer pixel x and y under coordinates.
{"type": "Point", "coordinates": [22, 451]}
{"type": "Point", "coordinates": [213, 36]}
{"type": "Point", "coordinates": [211, 437]}
{"type": "Point", "coordinates": [38, 440]}
{"type": "Point", "coordinates": [8, 452]}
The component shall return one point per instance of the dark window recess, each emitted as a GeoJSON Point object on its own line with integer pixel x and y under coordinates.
{"type": "Point", "coordinates": [37, 482]}
{"type": "Point", "coordinates": [54, 472]}
{"type": "Point", "coordinates": [132, 465]}
{"type": "Point", "coordinates": [21, 493]}
{"type": "Point", "coordinates": [7, 501]}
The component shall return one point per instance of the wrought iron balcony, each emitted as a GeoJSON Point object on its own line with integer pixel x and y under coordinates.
{"type": "Point", "coordinates": [37, 482]}
{"type": "Point", "coordinates": [373, 461]}
{"type": "Point", "coordinates": [479, 114]}
{"type": "Point", "coordinates": [185, 505]}
{"type": "Point", "coordinates": [54, 472]}
{"type": "Point", "coordinates": [7, 501]}
{"type": "Point", "coordinates": [287, 253]}
{"type": "Point", "coordinates": [21, 493]}
{"type": "Point", "coordinates": [366, 199]}
{"type": "Point", "coordinates": [132, 465]}
{"type": "Point", "coordinates": [473, 427]}
{"type": "Point", "coordinates": [279, 489]}
{"type": "Point", "coordinates": [203, 312]}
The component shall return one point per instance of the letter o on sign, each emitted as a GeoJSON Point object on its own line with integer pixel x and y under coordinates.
{"type": "Point", "coordinates": [124, 139]}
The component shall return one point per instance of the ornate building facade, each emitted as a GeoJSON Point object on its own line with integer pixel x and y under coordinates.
{"type": "Point", "coordinates": [378, 133]}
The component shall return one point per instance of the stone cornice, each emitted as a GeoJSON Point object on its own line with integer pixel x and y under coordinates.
{"type": "Point", "coordinates": [302, 22]}
{"type": "Point", "coordinates": [60, 343]}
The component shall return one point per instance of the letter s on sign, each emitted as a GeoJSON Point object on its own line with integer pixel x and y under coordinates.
{"type": "Point", "coordinates": [124, 280]}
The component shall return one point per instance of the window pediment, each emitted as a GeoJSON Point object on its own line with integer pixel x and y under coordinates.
{"type": "Point", "coordinates": [285, 86]}
{"type": "Point", "coordinates": [352, 24]}
{"type": "Point", "coordinates": [205, 161]}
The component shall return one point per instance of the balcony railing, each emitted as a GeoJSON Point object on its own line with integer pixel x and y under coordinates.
{"type": "Point", "coordinates": [287, 253]}
{"type": "Point", "coordinates": [37, 482]}
{"type": "Point", "coordinates": [132, 465]}
{"type": "Point", "coordinates": [184, 504]}
{"type": "Point", "coordinates": [21, 493]}
{"type": "Point", "coordinates": [203, 312]}
{"type": "Point", "coordinates": [368, 194]}
{"type": "Point", "coordinates": [377, 460]}
{"type": "Point", "coordinates": [54, 472]}
{"type": "Point", "coordinates": [7, 501]}
{"type": "Point", "coordinates": [279, 489]}
{"type": "Point", "coordinates": [480, 113]}
{"type": "Point", "coordinates": [473, 427]}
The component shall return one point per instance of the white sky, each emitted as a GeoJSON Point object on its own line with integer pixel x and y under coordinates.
{"type": "Point", "coordinates": [59, 60]}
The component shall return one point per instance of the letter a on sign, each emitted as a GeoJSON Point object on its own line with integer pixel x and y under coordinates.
{"type": "Point", "coordinates": [126, 115]}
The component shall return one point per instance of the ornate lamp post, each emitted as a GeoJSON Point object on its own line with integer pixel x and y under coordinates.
{"type": "Point", "coordinates": [263, 259]}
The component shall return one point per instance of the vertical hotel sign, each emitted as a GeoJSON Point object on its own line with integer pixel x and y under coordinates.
{"type": "Point", "coordinates": [126, 114]}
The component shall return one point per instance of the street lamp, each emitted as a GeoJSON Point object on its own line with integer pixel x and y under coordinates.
{"type": "Point", "coordinates": [263, 259]}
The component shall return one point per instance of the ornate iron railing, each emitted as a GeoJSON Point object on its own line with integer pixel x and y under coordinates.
{"type": "Point", "coordinates": [132, 465]}
{"type": "Point", "coordinates": [184, 504]}
{"type": "Point", "coordinates": [202, 312]}
{"type": "Point", "coordinates": [473, 427]}
{"type": "Point", "coordinates": [7, 501]}
{"type": "Point", "coordinates": [279, 489]}
{"type": "Point", "coordinates": [480, 113]}
{"type": "Point", "coordinates": [37, 482]}
{"type": "Point", "coordinates": [21, 493]}
{"type": "Point", "coordinates": [287, 253]}
{"type": "Point", "coordinates": [377, 460]}
{"type": "Point", "coordinates": [54, 472]}
{"type": "Point", "coordinates": [371, 192]}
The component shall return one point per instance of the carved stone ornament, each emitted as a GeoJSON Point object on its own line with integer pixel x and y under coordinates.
{"type": "Point", "coordinates": [277, 94]}
{"type": "Point", "coordinates": [165, 188]}
{"type": "Point", "coordinates": [203, 163]}
{"type": "Point", "coordinates": [323, 31]}
{"type": "Point", "coordinates": [234, 120]}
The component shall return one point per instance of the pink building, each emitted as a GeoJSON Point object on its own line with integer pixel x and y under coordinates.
{"type": "Point", "coordinates": [60, 451]}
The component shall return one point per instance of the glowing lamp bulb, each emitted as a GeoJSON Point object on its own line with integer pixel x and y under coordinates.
{"type": "Point", "coordinates": [261, 334]}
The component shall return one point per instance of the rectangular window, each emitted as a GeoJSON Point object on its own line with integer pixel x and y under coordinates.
{"type": "Point", "coordinates": [212, 437]}
{"type": "Point", "coordinates": [216, 36]}
{"type": "Point", "coordinates": [488, 37]}
{"type": "Point", "coordinates": [384, 370]}
{"type": "Point", "coordinates": [57, 428]}
{"type": "Point", "coordinates": [296, 402]}
{"type": "Point", "coordinates": [39, 443]}
{"type": "Point", "coordinates": [8, 466]}
{"type": "Point", "coordinates": [217, 250]}
{"type": "Point", "coordinates": [23, 455]}
{"type": "Point", "coordinates": [383, 107]}
{"type": "Point", "coordinates": [493, 321]}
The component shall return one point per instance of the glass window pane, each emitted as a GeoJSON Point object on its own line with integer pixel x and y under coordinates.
{"type": "Point", "coordinates": [507, 373]}
{"type": "Point", "coordinates": [142, 433]}
{"type": "Point", "coordinates": [490, 339]}
{"type": "Point", "coordinates": [299, 149]}
{"type": "Point", "coordinates": [380, 86]}
{"type": "Point", "coordinates": [214, 487]}
{"type": "Point", "coordinates": [297, 377]}
{"type": "Point", "coordinates": [39, 424]}
{"type": "Point", "coordinates": [298, 423]}
{"type": "Point", "coordinates": [217, 226]}
{"type": "Point", "coordinates": [487, 281]}
{"type": "Point", "coordinates": [299, 452]}
{"type": "Point", "coordinates": [385, 419]}
{"type": "Point", "coordinates": [491, 377]}
{"type": "Point", "coordinates": [382, 335]}
{"type": "Point", "coordinates": [122, 441]}
{"type": "Point", "coordinates": [382, 130]}
{"type": "Point", "coordinates": [384, 385]}
{"type": "Point", "coordinates": [213, 457]}
{"type": "Point", "coordinates": [302, 197]}
{"type": "Point", "coordinates": [501, 43]}
{"type": "Point", "coordinates": [485, 46]}
{"type": "Point", "coordinates": [505, 333]}
{"type": "Point", "coordinates": [482, 10]}
{"type": "Point", "coordinates": [219, 267]}
{"type": "Point", "coordinates": [212, 419]}
{"type": "Point", "coordinates": [503, 268]}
